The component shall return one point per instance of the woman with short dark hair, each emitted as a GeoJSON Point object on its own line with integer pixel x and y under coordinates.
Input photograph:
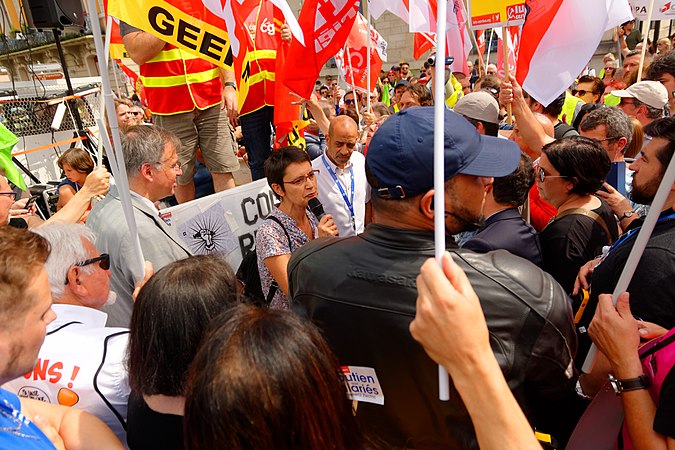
{"type": "Point", "coordinates": [265, 379]}
{"type": "Point", "coordinates": [76, 164]}
{"type": "Point", "coordinates": [170, 316]}
{"type": "Point", "coordinates": [290, 225]}
{"type": "Point", "coordinates": [569, 172]}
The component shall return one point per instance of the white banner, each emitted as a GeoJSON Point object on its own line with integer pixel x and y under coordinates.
{"type": "Point", "coordinates": [224, 223]}
{"type": "Point", "coordinates": [663, 9]}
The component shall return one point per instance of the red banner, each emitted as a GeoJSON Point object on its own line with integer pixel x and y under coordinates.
{"type": "Point", "coordinates": [326, 25]}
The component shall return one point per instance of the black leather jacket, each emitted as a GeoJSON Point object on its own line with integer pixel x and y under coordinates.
{"type": "Point", "coordinates": [361, 292]}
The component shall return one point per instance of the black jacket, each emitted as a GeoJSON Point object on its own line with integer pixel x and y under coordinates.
{"type": "Point", "coordinates": [507, 230]}
{"type": "Point", "coordinates": [361, 292]}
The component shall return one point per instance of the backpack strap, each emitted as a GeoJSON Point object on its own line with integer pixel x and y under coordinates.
{"type": "Point", "coordinates": [588, 213]}
{"type": "Point", "coordinates": [275, 286]}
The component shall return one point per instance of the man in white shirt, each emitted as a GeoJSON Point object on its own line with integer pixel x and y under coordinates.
{"type": "Point", "coordinates": [93, 377]}
{"type": "Point", "coordinates": [343, 189]}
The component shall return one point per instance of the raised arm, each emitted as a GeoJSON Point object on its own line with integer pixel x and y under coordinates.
{"type": "Point", "coordinates": [142, 46]}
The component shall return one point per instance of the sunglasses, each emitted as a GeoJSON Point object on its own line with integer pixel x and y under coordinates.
{"type": "Point", "coordinates": [103, 262]}
{"type": "Point", "coordinates": [581, 92]}
{"type": "Point", "coordinates": [349, 102]}
{"type": "Point", "coordinates": [543, 175]}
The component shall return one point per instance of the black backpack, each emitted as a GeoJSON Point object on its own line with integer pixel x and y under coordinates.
{"type": "Point", "coordinates": [249, 275]}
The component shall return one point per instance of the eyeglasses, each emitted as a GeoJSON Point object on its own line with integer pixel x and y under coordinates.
{"type": "Point", "coordinates": [300, 180]}
{"type": "Point", "coordinates": [175, 167]}
{"type": "Point", "coordinates": [103, 261]}
{"type": "Point", "coordinates": [597, 141]}
{"type": "Point", "coordinates": [543, 175]}
{"type": "Point", "coordinates": [9, 194]}
{"type": "Point", "coordinates": [626, 102]}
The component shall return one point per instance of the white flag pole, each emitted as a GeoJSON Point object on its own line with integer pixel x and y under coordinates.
{"type": "Point", "coordinates": [122, 183]}
{"type": "Point", "coordinates": [439, 164]}
{"type": "Point", "coordinates": [638, 248]}
{"type": "Point", "coordinates": [644, 41]}
{"type": "Point", "coordinates": [101, 114]}
{"type": "Point", "coordinates": [368, 62]}
{"type": "Point", "coordinates": [487, 60]}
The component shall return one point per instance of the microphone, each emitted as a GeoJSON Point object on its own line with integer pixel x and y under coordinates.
{"type": "Point", "coordinates": [317, 208]}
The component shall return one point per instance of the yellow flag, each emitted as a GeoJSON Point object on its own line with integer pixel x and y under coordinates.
{"type": "Point", "coordinates": [185, 24]}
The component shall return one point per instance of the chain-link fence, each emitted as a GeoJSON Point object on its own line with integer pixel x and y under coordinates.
{"type": "Point", "coordinates": [28, 114]}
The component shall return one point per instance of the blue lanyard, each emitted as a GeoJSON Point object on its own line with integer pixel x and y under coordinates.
{"type": "Point", "coordinates": [624, 237]}
{"type": "Point", "coordinates": [350, 204]}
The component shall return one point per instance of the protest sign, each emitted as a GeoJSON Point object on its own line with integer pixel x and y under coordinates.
{"type": "Point", "coordinates": [496, 13]}
{"type": "Point", "coordinates": [224, 223]}
{"type": "Point", "coordinates": [663, 9]}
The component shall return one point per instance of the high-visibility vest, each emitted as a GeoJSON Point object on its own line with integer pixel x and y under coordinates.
{"type": "Point", "coordinates": [262, 56]}
{"type": "Point", "coordinates": [176, 82]}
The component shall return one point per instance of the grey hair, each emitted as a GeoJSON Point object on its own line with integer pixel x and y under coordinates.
{"type": "Point", "coordinates": [617, 122]}
{"type": "Point", "coordinates": [143, 144]}
{"type": "Point", "coordinates": [65, 240]}
{"type": "Point", "coordinates": [652, 113]}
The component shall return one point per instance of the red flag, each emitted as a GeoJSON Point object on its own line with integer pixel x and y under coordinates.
{"type": "Point", "coordinates": [558, 39]}
{"type": "Point", "coordinates": [480, 40]}
{"type": "Point", "coordinates": [513, 34]}
{"type": "Point", "coordinates": [423, 42]}
{"type": "Point", "coordinates": [287, 121]}
{"type": "Point", "coordinates": [357, 48]}
{"type": "Point", "coordinates": [325, 25]}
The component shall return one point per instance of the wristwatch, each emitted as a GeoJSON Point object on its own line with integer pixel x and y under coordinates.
{"type": "Point", "coordinates": [629, 384]}
{"type": "Point", "coordinates": [231, 84]}
{"type": "Point", "coordinates": [627, 214]}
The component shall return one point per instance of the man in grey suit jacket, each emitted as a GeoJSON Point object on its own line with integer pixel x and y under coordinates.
{"type": "Point", "coordinates": [152, 167]}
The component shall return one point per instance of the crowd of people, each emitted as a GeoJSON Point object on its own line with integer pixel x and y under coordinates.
{"type": "Point", "coordinates": [341, 347]}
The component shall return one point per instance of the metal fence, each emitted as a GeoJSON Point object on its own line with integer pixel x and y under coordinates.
{"type": "Point", "coordinates": [30, 111]}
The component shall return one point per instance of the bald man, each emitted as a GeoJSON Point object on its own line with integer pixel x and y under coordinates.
{"type": "Point", "coordinates": [341, 178]}
{"type": "Point", "coordinates": [516, 137]}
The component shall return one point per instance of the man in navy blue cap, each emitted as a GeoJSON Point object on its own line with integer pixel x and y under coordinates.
{"type": "Point", "coordinates": [361, 291]}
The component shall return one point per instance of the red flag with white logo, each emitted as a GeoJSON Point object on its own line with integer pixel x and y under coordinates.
{"type": "Point", "coordinates": [513, 38]}
{"type": "Point", "coordinates": [326, 24]}
{"type": "Point", "coordinates": [356, 48]}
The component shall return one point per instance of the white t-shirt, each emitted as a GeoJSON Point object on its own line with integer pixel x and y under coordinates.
{"type": "Point", "coordinates": [81, 364]}
{"type": "Point", "coordinates": [331, 197]}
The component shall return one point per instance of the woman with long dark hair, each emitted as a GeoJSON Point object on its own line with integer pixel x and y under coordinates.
{"type": "Point", "coordinates": [170, 316]}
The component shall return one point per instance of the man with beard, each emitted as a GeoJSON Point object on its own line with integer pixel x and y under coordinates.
{"type": "Point", "coordinates": [361, 290]}
{"type": "Point", "coordinates": [651, 297]}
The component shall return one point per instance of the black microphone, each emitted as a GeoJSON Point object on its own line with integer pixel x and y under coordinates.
{"type": "Point", "coordinates": [317, 208]}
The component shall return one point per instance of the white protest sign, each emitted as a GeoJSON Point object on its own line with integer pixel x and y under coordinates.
{"type": "Point", "coordinates": [663, 9]}
{"type": "Point", "coordinates": [224, 223]}
{"type": "Point", "coordinates": [362, 384]}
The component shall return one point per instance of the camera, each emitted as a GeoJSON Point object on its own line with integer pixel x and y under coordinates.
{"type": "Point", "coordinates": [432, 60]}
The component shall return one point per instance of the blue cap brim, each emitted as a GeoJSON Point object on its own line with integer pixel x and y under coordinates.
{"type": "Point", "coordinates": [497, 158]}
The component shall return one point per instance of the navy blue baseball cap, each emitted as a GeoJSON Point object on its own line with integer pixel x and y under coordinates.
{"type": "Point", "coordinates": [401, 153]}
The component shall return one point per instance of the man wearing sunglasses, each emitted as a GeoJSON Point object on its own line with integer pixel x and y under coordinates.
{"type": "Point", "coordinates": [645, 101]}
{"type": "Point", "coordinates": [25, 313]}
{"type": "Point", "coordinates": [152, 167]}
{"type": "Point", "coordinates": [79, 281]}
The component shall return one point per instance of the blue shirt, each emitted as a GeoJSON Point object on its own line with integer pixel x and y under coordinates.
{"type": "Point", "coordinates": [16, 431]}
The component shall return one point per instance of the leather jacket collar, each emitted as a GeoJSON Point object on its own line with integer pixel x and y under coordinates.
{"type": "Point", "coordinates": [403, 239]}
